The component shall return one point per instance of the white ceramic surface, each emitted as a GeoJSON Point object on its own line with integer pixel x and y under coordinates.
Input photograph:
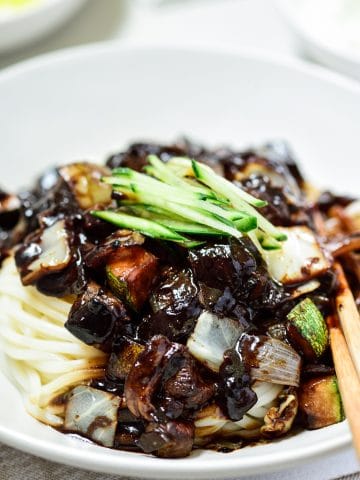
{"type": "Point", "coordinates": [88, 102]}
{"type": "Point", "coordinates": [32, 22]}
{"type": "Point", "coordinates": [321, 43]}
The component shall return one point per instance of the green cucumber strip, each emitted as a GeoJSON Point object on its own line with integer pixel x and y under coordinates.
{"type": "Point", "coordinates": [227, 189]}
{"type": "Point", "coordinates": [206, 175]}
{"type": "Point", "coordinates": [269, 243]}
{"type": "Point", "coordinates": [159, 170]}
{"type": "Point", "coordinates": [246, 224]}
{"type": "Point", "coordinates": [207, 204]}
{"type": "Point", "coordinates": [148, 186]}
{"type": "Point", "coordinates": [142, 225]}
{"type": "Point", "coordinates": [178, 224]}
{"type": "Point", "coordinates": [237, 196]}
{"type": "Point", "coordinates": [198, 215]}
{"type": "Point", "coordinates": [191, 243]}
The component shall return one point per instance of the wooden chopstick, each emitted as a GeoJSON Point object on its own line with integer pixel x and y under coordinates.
{"type": "Point", "coordinates": [348, 381]}
{"type": "Point", "coordinates": [345, 353]}
{"type": "Point", "coordinates": [349, 317]}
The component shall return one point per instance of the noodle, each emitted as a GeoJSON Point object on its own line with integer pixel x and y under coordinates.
{"type": "Point", "coordinates": [212, 420]}
{"type": "Point", "coordinates": [42, 358]}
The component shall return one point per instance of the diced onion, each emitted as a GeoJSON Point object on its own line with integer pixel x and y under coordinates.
{"type": "Point", "coordinates": [299, 259]}
{"type": "Point", "coordinates": [276, 362]}
{"type": "Point", "coordinates": [93, 413]}
{"type": "Point", "coordinates": [212, 337]}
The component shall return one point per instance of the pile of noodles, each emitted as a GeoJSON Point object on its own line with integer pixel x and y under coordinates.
{"type": "Point", "coordinates": [42, 358]}
{"type": "Point", "coordinates": [45, 361]}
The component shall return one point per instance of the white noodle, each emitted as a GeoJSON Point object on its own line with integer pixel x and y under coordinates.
{"type": "Point", "coordinates": [249, 425]}
{"type": "Point", "coordinates": [41, 357]}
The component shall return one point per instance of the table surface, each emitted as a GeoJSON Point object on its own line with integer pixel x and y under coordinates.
{"type": "Point", "coordinates": [221, 23]}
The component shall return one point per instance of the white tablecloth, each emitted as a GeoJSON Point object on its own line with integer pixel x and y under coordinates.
{"type": "Point", "coordinates": [243, 23]}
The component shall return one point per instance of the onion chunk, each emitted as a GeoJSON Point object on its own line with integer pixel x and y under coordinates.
{"type": "Point", "coordinates": [92, 413]}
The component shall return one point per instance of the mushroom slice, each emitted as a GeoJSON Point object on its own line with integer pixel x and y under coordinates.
{"type": "Point", "coordinates": [46, 251]}
{"type": "Point", "coordinates": [55, 251]}
{"type": "Point", "coordinates": [279, 420]}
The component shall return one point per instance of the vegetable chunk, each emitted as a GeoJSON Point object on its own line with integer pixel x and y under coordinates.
{"type": "Point", "coordinates": [131, 273]}
{"type": "Point", "coordinates": [307, 329]}
{"type": "Point", "coordinates": [320, 402]}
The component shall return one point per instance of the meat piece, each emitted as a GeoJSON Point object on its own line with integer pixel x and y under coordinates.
{"type": "Point", "coordinates": [222, 264]}
{"type": "Point", "coordinates": [146, 374]}
{"type": "Point", "coordinates": [43, 207]}
{"type": "Point", "coordinates": [170, 440]}
{"type": "Point", "coordinates": [127, 437]}
{"type": "Point", "coordinates": [131, 272]}
{"type": "Point", "coordinates": [97, 316]}
{"type": "Point", "coordinates": [9, 211]}
{"type": "Point", "coordinates": [233, 279]}
{"type": "Point", "coordinates": [188, 386]}
{"type": "Point", "coordinates": [235, 394]}
{"type": "Point", "coordinates": [12, 225]}
{"type": "Point", "coordinates": [271, 174]}
{"type": "Point", "coordinates": [95, 229]}
{"type": "Point", "coordinates": [274, 160]}
{"type": "Point", "coordinates": [328, 199]}
{"type": "Point", "coordinates": [135, 156]}
{"type": "Point", "coordinates": [280, 209]}
{"type": "Point", "coordinates": [175, 306]}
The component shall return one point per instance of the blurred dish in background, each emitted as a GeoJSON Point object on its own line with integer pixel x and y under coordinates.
{"type": "Point", "coordinates": [329, 31]}
{"type": "Point", "coordinates": [24, 21]}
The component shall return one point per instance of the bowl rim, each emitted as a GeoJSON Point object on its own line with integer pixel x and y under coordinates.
{"type": "Point", "coordinates": [338, 53]}
{"type": "Point", "coordinates": [154, 466]}
{"type": "Point", "coordinates": [31, 10]}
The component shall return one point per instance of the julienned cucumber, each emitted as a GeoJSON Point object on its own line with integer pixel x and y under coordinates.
{"type": "Point", "coordinates": [191, 199]}
{"type": "Point", "coordinates": [173, 222]}
{"type": "Point", "coordinates": [239, 199]}
{"type": "Point", "coordinates": [144, 189]}
{"type": "Point", "coordinates": [144, 226]}
{"type": "Point", "coordinates": [307, 329]}
{"type": "Point", "coordinates": [206, 175]}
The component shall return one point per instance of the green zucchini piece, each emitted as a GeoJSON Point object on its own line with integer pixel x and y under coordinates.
{"type": "Point", "coordinates": [320, 402]}
{"type": "Point", "coordinates": [131, 273]}
{"type": "Point", "coordinates": [307, 329]}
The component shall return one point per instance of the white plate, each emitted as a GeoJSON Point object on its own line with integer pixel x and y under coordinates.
{"type": "Point", "coordinates": [86, 103]}
{"type": "Point", "coordinates": [323, 38]}
{"type": "Point", "coordinates": [22, 26]}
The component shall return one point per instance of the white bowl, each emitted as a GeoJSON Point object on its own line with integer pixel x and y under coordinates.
{"type": "Point", "coordinates": [88, 102]}
{"type": "Point", "coordinates": [31, 22]}
{"type": "Point", "coordinates": [319, 37]}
